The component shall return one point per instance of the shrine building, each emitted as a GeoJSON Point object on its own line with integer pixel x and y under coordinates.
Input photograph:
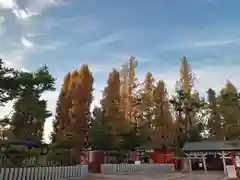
{"type": "Point", "coordinates": [211, 155]}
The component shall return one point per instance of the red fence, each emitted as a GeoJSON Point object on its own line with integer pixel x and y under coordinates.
{"type": "Point", "coordinates": [161, 157]}
{"type": "Point", "coordinates": [166, 158]}
{"type": "Point", "coordinates": [96, 158]}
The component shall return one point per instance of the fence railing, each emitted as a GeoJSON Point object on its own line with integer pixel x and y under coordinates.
{"type": "Point", "coordinates": [44, 173]}
{"type": "Point", "coordinates": [31, 161]}
{"type": "Point", "coordinates": [136, 168]}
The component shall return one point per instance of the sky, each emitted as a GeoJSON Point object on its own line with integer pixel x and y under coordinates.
{"type": "Point", "coordinates": [64, 34]}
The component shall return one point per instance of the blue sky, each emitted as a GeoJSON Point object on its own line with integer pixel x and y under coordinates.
{"type": "Point", "coordinates": [103, 34]}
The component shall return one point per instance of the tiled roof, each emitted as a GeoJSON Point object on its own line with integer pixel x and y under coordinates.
{"type": "Point", "coordinates": [212, 146]}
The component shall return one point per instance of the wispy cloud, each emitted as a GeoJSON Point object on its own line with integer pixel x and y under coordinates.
{"type": "Point", "coordinates": [27, 43]}
{"type": "Point", "coordinates": [2, 19]}
{"type": "Point", "coordinates": [15, 58]}
{"type": "Point", "coordinates": [33, 8]}
{"type": "Point", "coordinates": [31, 34]}
{"type": "Point", "coordinates": [211, 43]}
{"type": "Point", "coordinates": [2, 29]}
{"type": "Point", "coordinates": [52, 45]}
{"type": "Point", "coordinates": [212, 36]}
{"type": "Point", "coordinates": [12, 5]}
{"type": "Point", "coordinates": [41, 26]}
{"type": "Point", "coordinates": [87, 25]}
{"type": "Point", "coordinates": [197, 44]}
{"type": "Point", "coordinates": [37, 6]}
{"type": "Point", "coordinates": [23, 14]}
{"type": "Point", "coordinates": [7, 4]}
{"type": "Point", "coordinates": [28, 46]}
{"type": "Point", "coordinates": [111, 38]}
{"type": "Point", "coordinates": [214, 76]}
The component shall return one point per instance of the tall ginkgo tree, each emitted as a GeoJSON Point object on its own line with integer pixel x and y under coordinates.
{"type": "Point", "coordinates": [163, 128]}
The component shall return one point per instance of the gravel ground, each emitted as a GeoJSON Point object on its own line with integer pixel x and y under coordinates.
{"type": "Point", "coordinates": [170, 176]}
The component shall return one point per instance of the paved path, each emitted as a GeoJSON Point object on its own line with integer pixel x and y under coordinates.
{"type": "Point", "coordinates": [170, 176]}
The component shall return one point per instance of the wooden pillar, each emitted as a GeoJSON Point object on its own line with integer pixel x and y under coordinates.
{"type": "Point", "coordinates": [224, 162]}
{"type": "Point", "coordinates": [204, 163]}
{"type": "Point", "coordinates": [137, 154]}
{"type": "Point", "coordinates": [190, 164]}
